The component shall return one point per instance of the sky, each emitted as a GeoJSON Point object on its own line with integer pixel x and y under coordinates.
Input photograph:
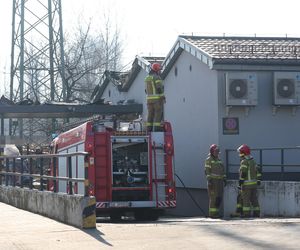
{"type": "Point", "coordinates": [150, 28]}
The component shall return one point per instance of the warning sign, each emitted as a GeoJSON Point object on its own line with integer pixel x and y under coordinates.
{"type": "Point", "coordinates": [230, 126]}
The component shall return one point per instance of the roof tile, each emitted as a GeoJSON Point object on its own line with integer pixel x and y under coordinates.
{"type": "Point", "coordinates": [275, 48]}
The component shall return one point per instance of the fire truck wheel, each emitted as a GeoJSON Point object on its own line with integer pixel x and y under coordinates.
{"type": "Point", "coordinates": [115, 216]}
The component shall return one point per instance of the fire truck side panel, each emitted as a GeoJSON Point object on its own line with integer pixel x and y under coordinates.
{"type": "Point", "coordinates": [62, 172]}
{"type": "Point", "coordinates": [170, 178]}
{"type": "Point", "coordinates": [74, 167]}
{"type": "Point", "coordinates": [102, 166]}
{"type": "Point", "coordinates": [73, 136]}
{"type": "Point", "coordinates": [77, 168]}
{"type": "Point", "coordinates": [79, 187]}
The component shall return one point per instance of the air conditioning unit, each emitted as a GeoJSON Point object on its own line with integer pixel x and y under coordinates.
{"type": "Point", "coordinates": [286, 88]}
{"type": "Point", "coordinates": [241, 89]}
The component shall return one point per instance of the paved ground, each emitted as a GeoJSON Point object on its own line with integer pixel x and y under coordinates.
{"type": "Point", "coordinates": [24, 230]}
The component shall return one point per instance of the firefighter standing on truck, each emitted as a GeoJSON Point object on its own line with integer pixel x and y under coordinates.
{"type": "Point", "coordinates": [250, 178]}
{"type": "Point", "coordinates": [216, 178]}
{"type": "Point", "coordinates": [155, 98]}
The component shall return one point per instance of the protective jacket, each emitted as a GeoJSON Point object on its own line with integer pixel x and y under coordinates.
{"type": "Point", "coordinates": [250, 177]}
{"type": "Point", "coordinates": [249, 172]}
{"type": "Point", "coordinates": [154, 88]}
{"type": "Point", "coordinates": [155, 100]}
{"type": "Point", "coordinates": [214, 171]}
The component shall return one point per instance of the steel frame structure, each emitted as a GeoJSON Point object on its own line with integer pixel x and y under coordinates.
{"type": "Point", "coordinates": [37, 53]}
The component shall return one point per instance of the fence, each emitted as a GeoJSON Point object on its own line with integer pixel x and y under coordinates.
{"type": "Point", "coordinates": [281, 164]}
{"type": "Point", "coordinates": [26, 170]}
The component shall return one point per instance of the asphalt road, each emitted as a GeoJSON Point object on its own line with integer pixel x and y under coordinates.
{"type": "Point", "coordinates": [27, 231]}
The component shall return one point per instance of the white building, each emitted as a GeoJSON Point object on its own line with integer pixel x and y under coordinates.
{"type": "Point", "coordinates": [229, 91]}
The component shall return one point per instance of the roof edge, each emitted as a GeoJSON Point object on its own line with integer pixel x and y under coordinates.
{"type": "Point", "coordinates": [180, 45]}
{"type": "Point", "coordinates": [242, 37]}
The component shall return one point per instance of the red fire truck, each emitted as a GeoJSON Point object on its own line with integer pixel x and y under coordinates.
{"type": "Point", "coordinates": [129, 171]}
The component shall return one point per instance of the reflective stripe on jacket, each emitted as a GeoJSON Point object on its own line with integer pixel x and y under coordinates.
{"type": "Point", "coordinates": [214, 169]}
{"type": "Point", "coordinates": [154, 87]}
{"type": "Point", "coordinates": [249, 173]}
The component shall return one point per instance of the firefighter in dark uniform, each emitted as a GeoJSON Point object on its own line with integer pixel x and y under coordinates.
{"type": "Point", "coordinates": [216, 178]}
{"type": "Point", "coordinates": [155, 98]}
{"type": "Point", "coordinates": [239, 204]}
{"type": "Point", "coordinates": [250, 178]}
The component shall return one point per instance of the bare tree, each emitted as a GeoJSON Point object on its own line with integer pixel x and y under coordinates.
{"type": "Point", "coordinates": [87, 56]}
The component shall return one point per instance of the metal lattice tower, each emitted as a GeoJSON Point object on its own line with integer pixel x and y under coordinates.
{"type": "Point", "coordinates": [37, 54]}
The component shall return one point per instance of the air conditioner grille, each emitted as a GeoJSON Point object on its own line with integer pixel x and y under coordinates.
{"type": "Point", "coordinates": [285, 87]}
{"type": "Point", "coordinates": [241, 88]}
{"type": "Point", "coordinates": [238, 88]}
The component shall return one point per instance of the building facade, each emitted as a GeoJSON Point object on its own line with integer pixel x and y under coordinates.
{"type": "Point", "coordinates": [229, 91]}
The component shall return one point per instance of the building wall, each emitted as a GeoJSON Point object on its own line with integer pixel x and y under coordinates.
{"type": "Point", "coordinates": [112, 94]}
{"type": "Point", "coordinates": [137, 92]}
{"type": "Point", "coordinates": [192, 108]}
{"type": "Point", "coordinates": [262, 126]}
{"type": "Point", "coordinates": [190, 202]}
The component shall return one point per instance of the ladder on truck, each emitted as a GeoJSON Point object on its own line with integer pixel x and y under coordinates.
{"type": "Point", "coordinates": [160, 180]}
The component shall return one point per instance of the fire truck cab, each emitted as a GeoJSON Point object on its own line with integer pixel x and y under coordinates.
{"type": "Point", "coordinates": [128, 171]}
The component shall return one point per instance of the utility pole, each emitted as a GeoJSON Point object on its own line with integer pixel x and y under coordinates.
{"type": "Point", "coordinates": [37, 53]}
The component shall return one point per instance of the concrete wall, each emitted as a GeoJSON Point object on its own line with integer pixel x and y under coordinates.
{"type": "Point", "coordinates": [276, 199]}
{"type": "Point", "coordinates": [280, 199]}
{"type": "Point", "coordinates": [66, 208]}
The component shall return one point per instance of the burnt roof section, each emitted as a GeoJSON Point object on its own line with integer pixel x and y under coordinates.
{"type": "Point", "coordinates": [154, 59]}
{"type": "Point", "coordinates": [138, 64]}
{"type": "Point", "coordinates": [124, 80]}
{"type": "Point", "coordinates": [115, 77]}
{"type": "Point", "coordinates": [213, 50]}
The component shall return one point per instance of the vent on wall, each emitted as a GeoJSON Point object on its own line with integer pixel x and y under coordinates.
{"type": "Point", "coordinates": [286, 88]}
{"type": "Point", "coordinates": [241, 89]}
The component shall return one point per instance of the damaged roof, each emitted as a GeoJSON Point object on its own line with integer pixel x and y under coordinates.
{"type": "Point", "coordinates": [124, 80]}
{"type": "Point", "coordinates": [216, 52]}
{"type": "Point", "coordinates": [138, 64]}
{"type": "Point", "coordinates": [116, 77]}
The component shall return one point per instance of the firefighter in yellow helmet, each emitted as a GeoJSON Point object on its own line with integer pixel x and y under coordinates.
{"type": "Point", "coordinates": [216, 178]}
{"type": "Point", "coordinates": [155, 98]}
{"type": "Point", "coordinates": [250, 178]}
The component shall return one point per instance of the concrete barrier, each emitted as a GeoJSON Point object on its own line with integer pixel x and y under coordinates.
{"type": "Point", "coordinates": [276, 198]}
{"type": "Point", "coordinates": [75, 210]}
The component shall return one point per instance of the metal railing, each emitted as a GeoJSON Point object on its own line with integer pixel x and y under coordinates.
{"type": "Point", "coordinates": [16, 169]}
{"type": "Point", "coordinates": [276, 163]}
